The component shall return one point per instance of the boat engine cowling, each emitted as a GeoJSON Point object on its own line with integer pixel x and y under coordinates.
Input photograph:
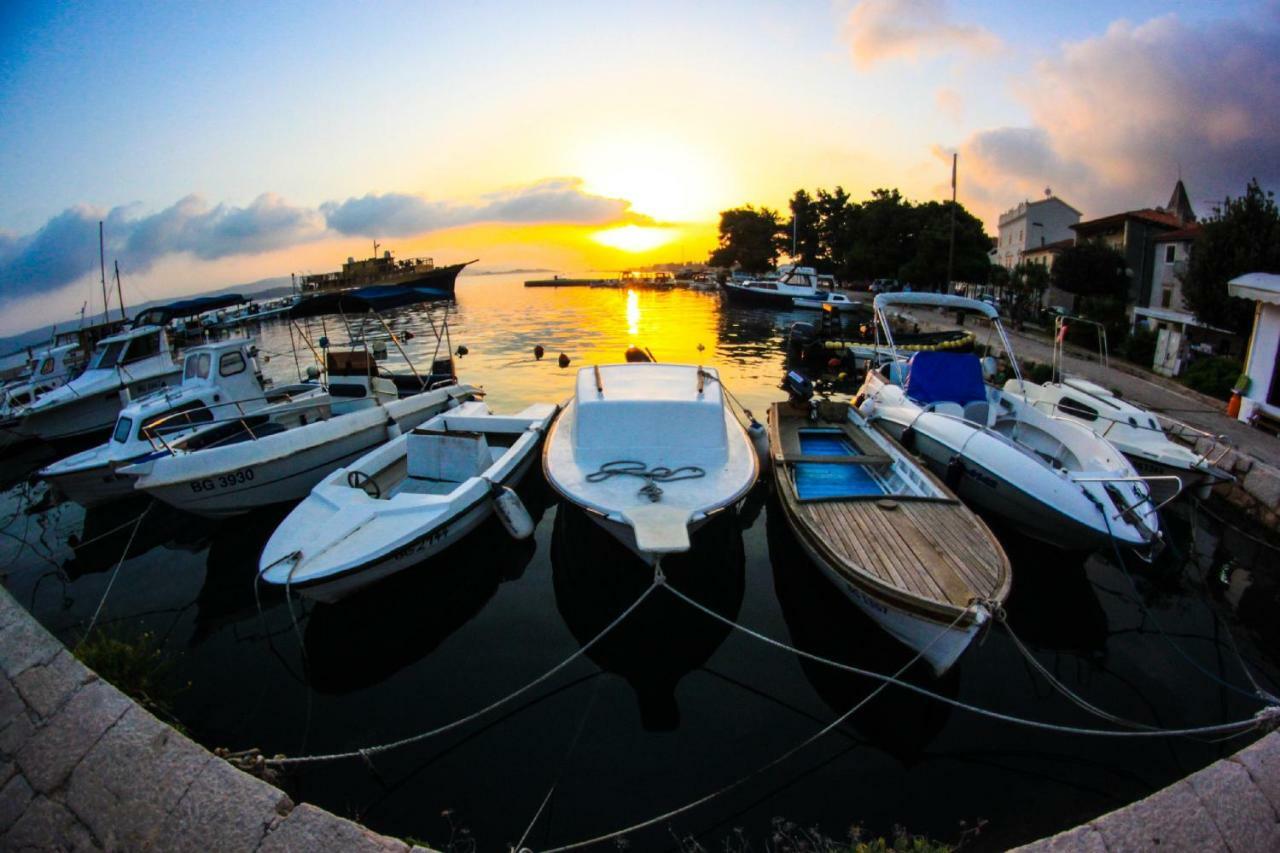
{"type": "Point", "coordinates": [798, 387]}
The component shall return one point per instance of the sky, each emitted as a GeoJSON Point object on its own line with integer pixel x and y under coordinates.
{"type": "Point", "coordinates": [228, 142]}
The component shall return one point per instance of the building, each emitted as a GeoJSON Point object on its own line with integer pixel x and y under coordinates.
{"type": "Point", "coordinates": [1033, 224]}
{"type": "Point", "coordinates": [1260, 403]}
{"type": "Point", "coordinates": [1045, 256]}
{"type": "Point", "coordinates": [1133, 234]}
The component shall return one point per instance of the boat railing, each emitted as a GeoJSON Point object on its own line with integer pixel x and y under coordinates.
{"type": "Point", "coordinates": [1139, 478]}
{"type": "Point", "coordinates": [1218, 448]}
{"type": "Point", "coordinates": [186, 420]}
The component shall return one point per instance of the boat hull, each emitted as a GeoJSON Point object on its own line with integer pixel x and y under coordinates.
{"type": "Point", "coordinates": [94, 486]}
{"type": "Point", "coordinates": [750, 296]}
{"type": "Point", "coordinates": [93, 413]}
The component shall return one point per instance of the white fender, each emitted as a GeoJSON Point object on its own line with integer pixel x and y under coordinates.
{"type": "Point", "coordinates": [512, 514]}
{"type": "Point", "coordinates": [760, 441]}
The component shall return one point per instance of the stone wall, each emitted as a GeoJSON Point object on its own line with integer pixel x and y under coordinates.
{"type": "Point", "coordinates": [84, 767]}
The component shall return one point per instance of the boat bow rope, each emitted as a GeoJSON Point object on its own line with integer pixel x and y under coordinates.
{"type": "Point", "coordinates": [651, 476]}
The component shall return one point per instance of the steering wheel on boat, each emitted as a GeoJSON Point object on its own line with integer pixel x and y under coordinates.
{"type": "Point", "coordinates": [361, 480]}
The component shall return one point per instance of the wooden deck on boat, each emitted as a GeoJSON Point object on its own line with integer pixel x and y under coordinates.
{"type": "Point", "coordinates": [931, 555]}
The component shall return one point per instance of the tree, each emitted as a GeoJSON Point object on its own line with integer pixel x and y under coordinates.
{"type": "Point", "coordinates": [1242, 236]}
{"type": "Point", "coordinates": [749, 238]}
{"type": "Point", "coordinates": [804, 230]}
{"type": "Point", "coordinates": [1091, 269]}
{"type": "Point", "coordinates": [1028, 281]}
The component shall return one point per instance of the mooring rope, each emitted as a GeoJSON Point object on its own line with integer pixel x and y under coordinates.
{"type": "Point", "coordinates": [573, 744]}
{"type": "Point", "coordinates": [1266, 716]}
{"type": "Point", "coordinates": [827, 729]}
{"type": "Point", "coordinates": [366, 752]}
{"type": "Point", "coordinates": [651, 476]}
{"type": "Point", "coordinates": [114, 572]}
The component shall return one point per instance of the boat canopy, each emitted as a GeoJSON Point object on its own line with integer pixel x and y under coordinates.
{"type": "Point", "coordinates": [380, 297]}
{"type": "Point", "coordinates": [950, 377]}
{"type": "Point", "coordinates": [936, 300]}
{"type": "Point", "coordinates": [159, 315]}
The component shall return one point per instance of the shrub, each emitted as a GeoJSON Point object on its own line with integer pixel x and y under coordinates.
{"type": "Point", "coordinates": [136, 665]}
{"type": "Point", "coordinates": [1040, 373]}
{"type": "Point", "coordinates": [1140, 348]}
{"type": "Point", "coordinates": [1214, 376]}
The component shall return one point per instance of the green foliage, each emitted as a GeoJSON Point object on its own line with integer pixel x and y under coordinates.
{"type": "Point", "coordinates": [1215, 376]}
{"type": "Point", "coordinates": [885, 236]}
{"type": "Point", "coordinates": [1140, 348]}
{"type": "Point", "coordinates": [1038, 373]}
{"type": "Point", "coordinates": [1026, 284]}
{"type": "Point", "coordinates": [749, 238]}
{"type": "Point", "coordinates": [1091, 269]}
{"type": "Point", "coordinates": [789, 837]}
{"type": "Point", "coordinates": [1242, 236]}
{"type": "Point", "coordinates": [136, 665]}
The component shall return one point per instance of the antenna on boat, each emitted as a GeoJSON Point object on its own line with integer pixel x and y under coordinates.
{"type": "Point", "coordinates": [102, 268]}
{"type": "Point", "coordinates": [951, 245]}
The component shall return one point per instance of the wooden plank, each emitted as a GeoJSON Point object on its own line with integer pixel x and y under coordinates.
{"type": "Point", "coordinates": [883, 536]}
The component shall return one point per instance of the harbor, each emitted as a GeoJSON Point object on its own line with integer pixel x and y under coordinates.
{"type": "Point", "coordinates": [657, 707]}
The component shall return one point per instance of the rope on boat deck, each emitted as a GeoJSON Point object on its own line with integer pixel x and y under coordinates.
{"type": "Point", "coordinates": [116, 571]}
{"type": "Point", "coordinates": [366, 753]}
{"type": "Point", "coordinates": [741, 780]}
{"type": "Point", "coordinates": [1268, 716]}
{"type": "Point", "coordinates": [651, 476]}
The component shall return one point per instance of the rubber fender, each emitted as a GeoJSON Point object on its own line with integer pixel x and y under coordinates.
{"type": "Point", "coordinates": [511, 512]}
{"type": "Point", "coordinates": [760, 442]}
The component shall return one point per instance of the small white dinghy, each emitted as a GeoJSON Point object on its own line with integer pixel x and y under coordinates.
{"type": "Point", "coordinates": [406, 501]}
{"type": "Point", "coordinates": [650, 451]}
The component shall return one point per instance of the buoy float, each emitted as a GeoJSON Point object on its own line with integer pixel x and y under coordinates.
{"type": "Point", "coordinates": [563, 360]}
{"type": "Point", "coordinates": [538, 352]}
{"type": "Point", "coordinates": [511, 512]}
{"type": "Point", "coordinates": [760, 441]}
{"type": "Point", "coordinates": [462, 350]}
{"type": "Point", "coordinates": [833, 363]}
{"type": "Point", "coordinates": [701, 348]}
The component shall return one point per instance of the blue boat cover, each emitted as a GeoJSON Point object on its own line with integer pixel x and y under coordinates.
{"type": "Point", "coordinates": [951, 377]}
{"type": "Point", "coordinates": [161, 314]}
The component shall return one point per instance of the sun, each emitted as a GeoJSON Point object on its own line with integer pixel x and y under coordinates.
{"type": "Point", "coordinates": [662, 176]}
{"type": "Point", "coordinates": [635, 238]}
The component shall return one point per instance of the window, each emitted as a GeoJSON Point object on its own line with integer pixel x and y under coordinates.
{"type": "Point", "coordinates": [197, 366]}
{"type": "Point", "coordinates": [1077, 409]}
{"type": "Point", "coordinates": [46, 366]}
{"type": "Point", "coordinates": [231, 364]}
{"type": "Point", "coordinates": [143, 347]}
{"type": "Point", "coordinates": [123, 425]}
{"type": "Point", "coordinates": [1170, 253]}
{"type": "Point", "coordinates": [180, 417]}
{"type": "Point", "coordinates": [108, 355]}
{"type": "Point", "coordinates": [1166, 297]}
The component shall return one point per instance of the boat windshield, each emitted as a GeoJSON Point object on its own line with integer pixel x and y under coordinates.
{"type": "Point", "coordinates": [123, 426]}
{"type": "Point", "coordinates": [197, 366]}
{"type": "Point", "coordinates": [109, 355]}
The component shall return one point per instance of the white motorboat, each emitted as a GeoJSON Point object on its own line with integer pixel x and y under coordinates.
{"type": "Point", "coordinates": [221, 386]}
{"type": "Point", "coordinates": [791, 282]}
{"type": "Point", "coordinates": [50, 368]}
{"type": "Point", "coordinates": [650, 451]}
{"type": "Point", "coordinates": [887, 533]}
{"type": "Point", "coordinates": [1051, 477]}
{"type": "Point", "coordinates": [827, 300]}
{"type": "Point", "coordinates": [282, 464]}
{"type": "Point", "coordinates": [123, 367]}
{"type": "Point", "coordinates": [406, 501]}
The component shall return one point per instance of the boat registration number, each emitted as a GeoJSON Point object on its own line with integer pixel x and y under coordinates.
{"type": "Point", "coordinates": [222, 481]}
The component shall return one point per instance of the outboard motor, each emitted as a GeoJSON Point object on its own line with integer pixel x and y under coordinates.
{"type": "Point", "coordinates": [798, 388]}
{"type": "Point", "coordinates": [801, 336]}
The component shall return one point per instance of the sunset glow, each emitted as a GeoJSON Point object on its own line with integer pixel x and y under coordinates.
{"type": "Point", "coordinates": [635, 238]}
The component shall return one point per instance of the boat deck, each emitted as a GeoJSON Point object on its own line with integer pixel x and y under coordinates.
{"type": "Point", "coordinates": [926, 552]}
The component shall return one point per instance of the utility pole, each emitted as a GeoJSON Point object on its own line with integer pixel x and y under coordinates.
{"type": "Point", "coordinates": [102, 268]}
{"type": "Point", "coordinates": [951, 248]}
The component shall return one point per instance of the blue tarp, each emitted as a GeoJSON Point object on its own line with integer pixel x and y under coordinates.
{"type": "Point", "coordinates": [952, 377]}
{"type": "Point", "coordinates": [819, 480]}
{"type": "Point", "coordinates": [380, 297]}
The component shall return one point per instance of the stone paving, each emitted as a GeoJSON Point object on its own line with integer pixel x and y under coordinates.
{"type": "Point", "coordinates": [83, 767]}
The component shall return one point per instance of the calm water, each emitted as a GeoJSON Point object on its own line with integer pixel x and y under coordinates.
{"type": "Point", "coordinates": [673, 705]}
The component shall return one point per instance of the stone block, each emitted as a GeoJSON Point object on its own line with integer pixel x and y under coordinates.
{"type": "Point", "coordinates": [49, 755]}
{"type": "Point", "coordinates": [1082, 839]}
{"type": "Point", "coordinates": [14, 797]}
{"type": "Point", "coordinates": [25, 643]}
{"type": "Point", "coordinates": [1242, 814]}
{"type": "Point", "coordinates": [1262, 760]}
{"type": "Point", "coordinates": [46, 825]}
{"type": "Point", "coordinates": [1263, 484]}
{"type": "Point", "coordinates": [11, 703]}
{"type": "Point", "coordinates": [1170, 819]}
{"type": "Point", "coordinates": [133, 777]}
{"type": "Point", "coordinates": [15, 735]}
{"type": "Point", "coordinates": [7, 770]}
{"type": "Point", "coordinates": [10, 610]}
{"type": "Point", "coordinates": [308, 828]}
{"type": "Point", "coordinates": [224, 809]}
{"type": "Point", "coordinates": [1242, 464]}
{"type": "Point", "coordinates": [46, 686]}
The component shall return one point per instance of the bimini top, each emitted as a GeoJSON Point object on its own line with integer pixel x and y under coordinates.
{"type": "Point", "coordinates": [1259, 286]}
{"type": "Point", "coordinates": [158, 315]}
{"type": "Point", "coordinates": [937, 300]}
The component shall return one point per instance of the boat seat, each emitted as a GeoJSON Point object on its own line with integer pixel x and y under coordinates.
{"type": "Point", "coordinates": [945, 407]}
{"type": "Point", "coordinates": [978, 412]}
{"type": "Point", "coordinates": [945, 377]}
{"type": "Point", "coordinates": [446, 456]}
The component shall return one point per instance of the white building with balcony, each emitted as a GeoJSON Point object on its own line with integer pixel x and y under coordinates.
{"type": "Point", "coordinates": [1033, 224]}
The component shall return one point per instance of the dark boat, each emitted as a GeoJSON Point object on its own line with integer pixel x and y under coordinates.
{"type": "Point", "coordinates": [385, 271]}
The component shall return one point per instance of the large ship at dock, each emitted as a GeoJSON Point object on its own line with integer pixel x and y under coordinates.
{"type": "Point", "coordinates": [384, 270]}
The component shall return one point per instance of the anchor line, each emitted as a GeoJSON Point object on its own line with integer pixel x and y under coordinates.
{"type": "Point", "coordinates": [116, 571]}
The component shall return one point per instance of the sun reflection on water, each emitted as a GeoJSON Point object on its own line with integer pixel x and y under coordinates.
{"type": "Point", "coordinates": [633, 313]}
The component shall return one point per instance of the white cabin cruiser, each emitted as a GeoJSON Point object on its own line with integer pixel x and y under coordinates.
{"type": "Point", "coordinates": [651, 452]}
{"type": "Point", "coordinates": [834, 300]}
{"type": "Point", "coordinates": [221, 384]}
{"type": "Point", "coordinates": [1049, 476]}
{"type": "Point", "coordinates": [51, 368]}
{"type": "Point", "coordinates": [791, 282]}
{"type": "Point", "coordinates": [406, 501]}
{"type": "Point", "coordinates": [123, 367]}
{"type": "Point", "coordinates": [283, 462]}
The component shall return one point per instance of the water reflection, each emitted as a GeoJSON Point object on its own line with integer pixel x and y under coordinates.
{"type": "Point", "coordinates": [110, 528]}
{"type": "Point", "coordinates": [633, 313]}
{"type": "Point", "coordinates": [596, 578]}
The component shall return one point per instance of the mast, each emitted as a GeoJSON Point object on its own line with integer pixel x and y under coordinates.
{"type": "Point", "coordinates": [102, 268]}
{"type": "Point", "coordinates": [951, 246]}
{"type": "Point", "coordinates": [119, 292]}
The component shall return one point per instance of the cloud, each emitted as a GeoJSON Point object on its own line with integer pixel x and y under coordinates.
{"type": "Point", "coordinates": [1116, 117]}
{"type": "Point", "coordinates": [950, 103]}
{"type": "Point", "coordinates": [879, 30]}
{"type": "Point", "coordinates": [398, 214]}
{"type": "Point", "coordinates": [65, 249]}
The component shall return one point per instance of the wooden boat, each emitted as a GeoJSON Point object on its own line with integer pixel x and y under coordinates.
{"type": "Point", "coordinates": [651, 452]}
{"type": "Point", "coordinates": [889, 534]}
{"type": "Point", "coordinates": [406, 501]}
